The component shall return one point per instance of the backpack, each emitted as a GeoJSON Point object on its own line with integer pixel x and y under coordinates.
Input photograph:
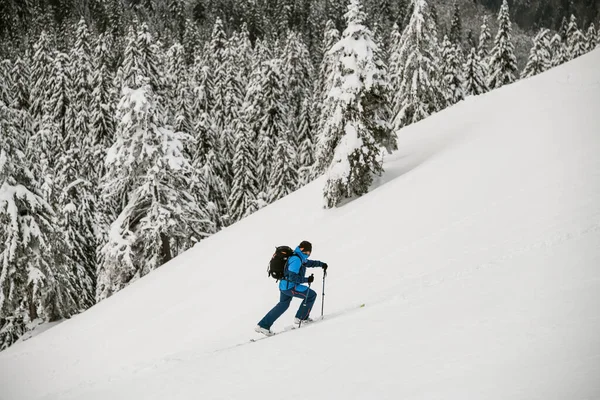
{"type": "Point", "coordinates": [277, 265]}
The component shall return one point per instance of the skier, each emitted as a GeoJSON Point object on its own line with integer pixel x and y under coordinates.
{"type": "Point", "coordinates": [292, 286]}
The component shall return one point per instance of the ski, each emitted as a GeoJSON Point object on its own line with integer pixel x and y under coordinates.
{"type": "Point", "coordinates": [315, 321]}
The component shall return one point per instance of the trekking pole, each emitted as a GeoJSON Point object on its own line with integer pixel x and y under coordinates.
{"type": "Point", "coordinates": [305, 300]}
{"type": "Point", "coordinates": [323, 294]}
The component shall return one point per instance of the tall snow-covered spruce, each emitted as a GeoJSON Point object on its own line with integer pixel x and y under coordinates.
{"type": "Point", "coordinates": [147, 179]}
{"type": "Point", "coordinates": [539, 56]}
{"type": "Point", "coordinates": [503, 63]}
{"type": "Point", "coordinates": [475, 75]}
{"type": "Point", "coordinates": [36, 279]}
{"type": "Point", "coordinates": [357, 129]}
{"type": "Point", "coordinates": [420, 93]}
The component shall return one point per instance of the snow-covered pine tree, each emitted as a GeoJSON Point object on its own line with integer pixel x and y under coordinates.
{"type": "Point", "coordinates": [60, 102]}
{"type": "Point", "coordinates": [179, 92]}
{"type": "Point", "coordinates": [81, 70]}
{"type": "Point", "coordinates": [306, 151]}
{"type": "Point", "coordinates": [75, 205]}
{"type": "Point", "coordinates": [485, 37]}
{"type": "Point", "coordinates": [41, 73]}
{"type": "Point", "coordinates": [209, 190]}
{"type": "Point", "coordinates": [6, 82]}
{"type": "Point", "coordinates": [284, 171]}
{"type": "Point", "coordinates": [205, 136]}
{"type": "Point", "coordinates": [475, 75]}
{"type": "Point", "coordinates": [244, 189]}
{"type": "Point", "coordinates": [503, 63]}
{"type": "Point", "coordinates": [355, 131]}
{"type": "Point", "coordinates": [191, 41]}
{"type": "Point", "coordinates": [35, 277]}
{"type": "Point", "coordinates": [129, 73]}
{"type": "Point", "coordinates": [395, 67]}
{"type": "Point", "coordinates": [298, 73]}
{"type": "Point", "coordinates": [275, 120]}
{"type": "Point", "coordinates": [451, 72]}
{"type": "Point", "coordinates": [102, 123]}
{"type": "Point", "coordinates": [233, 91]}
{"type": "Point", "coordinates": [576, 41]}
{"type": "Point", "coordinates": [539, 56]}
{"type": "Point", "coordinates": [324, 81]}
{"type": "Point", "coordinates": [148, 176]}
{"type": "Point", "coordinates": [242, 53]}
{"type": "Point", "coordinates": [420, 93]}
{"type": "Point", "coordinates": [591, 36]}
{"type": "Point", "coordinates": [558, 49]}
{"type": "Point", "coordinates": [456, 31]}
{"type": "Point", "coordinates": [21, 81]}
{"type": "Point", "coordinates": [222, 103]}
{"type": "Point", "coordinates": [150, 62]}
{"type": "Point", "coordinates": [211, 187]}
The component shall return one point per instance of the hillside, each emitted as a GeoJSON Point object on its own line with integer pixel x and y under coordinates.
{"type": "Point", "coordinates": [476, 257]}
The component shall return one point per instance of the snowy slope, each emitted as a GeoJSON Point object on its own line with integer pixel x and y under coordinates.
{"type": "Point", "coordinates": [477, 258]}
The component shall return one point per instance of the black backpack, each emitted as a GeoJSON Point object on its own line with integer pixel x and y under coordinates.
{"type": "Point", "coordinates": [277, 265]}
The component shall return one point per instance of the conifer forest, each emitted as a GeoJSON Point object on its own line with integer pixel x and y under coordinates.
{"type": "Point", "coordinates": [130, 130]}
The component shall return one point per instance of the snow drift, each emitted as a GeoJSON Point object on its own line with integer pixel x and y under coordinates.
{"type": "Point", "coordinates": [476, 256]}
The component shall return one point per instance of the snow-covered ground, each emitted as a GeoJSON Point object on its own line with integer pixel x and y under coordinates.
{"type": "Point", "coordinates": [477, 257]}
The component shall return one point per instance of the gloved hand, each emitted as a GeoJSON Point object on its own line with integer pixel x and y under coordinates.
{"type": "Point", "coordinates": [324, 266]}
{"type": "Point", "coordinates": [311, 279]}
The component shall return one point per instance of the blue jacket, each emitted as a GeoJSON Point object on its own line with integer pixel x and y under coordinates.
{"type": "Point", "coordinates": [296, 269]}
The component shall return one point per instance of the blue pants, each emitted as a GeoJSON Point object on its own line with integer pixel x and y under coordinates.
{"type": "Point", "coordinates": [285, 298]}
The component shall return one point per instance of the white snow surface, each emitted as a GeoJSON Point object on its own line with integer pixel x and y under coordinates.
{"type": "Point", "coordinates": [477, 256]}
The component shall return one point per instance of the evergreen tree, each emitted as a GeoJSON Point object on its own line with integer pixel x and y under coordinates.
{"type": "Point", "coordinates": [395, 62]}
{"type": "Point", "coordinates": [21, 81]}
{"type": "Point", "coordinates": [576, 42]}
{"type": "Point", "coordinates": [149, 176]}
{"type": "Point", "coordinates": [539, 56]}
{"type": "Point", "coordinates": [324, 80]}
{"type": "Point", "coordinates": [179, 91]}
{"type": "Point", "coordinates": [130, 73]}
{"type": "Point", "coordinates": [102, 123]}
{"type": "Point", "coordinates": [297, 72]}
{"type": "Point", "coordinates": [475, 75]}
{"type": "Point", "coordinates": [76, 220]}
{"type": "Point", "coordinates": [275, 121]}
{"type": "Point", "coordinates": [485, 37]}
{"type": "Point", "coordinates": [81, 68]}
{"type": "Point", "coordinates": [150, 62]}
{"type": "Point", "coordinates": [592, 36]}
{"type": "Point", "coordinates": [284, 176]}
{"type": "Point", "coordinates": [7, 82]}
{"type": "Point", "coordinates": [35, 278]}
{"type": "Point", "coordinates": [456, 34]}
{"type": "Point", "coordinates": [60, 102]}
{"type": "Point", "coordinates": [420, 94]}
{"type": "Point", "coordinates": [212, 188]}
{"type": "Point", "coordinates": [223, 103]}
{"type": "Point", "coordinates": [41, 72]}
{"type": "Point", "coordinates": [202, 103]}
{"type": "Point", "coordinates": [558, 50]}
{"type": "Point", "coordinates": [356, 128]}
{"type": "Point", "coordinates": [503, 63]}
{"type": "Point", "coordinates": [306, 152]}
{"type": "Point", "coordinates": [233, 92]}
{"type": "Point", "coordinates": [242, 199]}
{"type": "Point", "coordinates": [191, 42]}
{"type": "Point", "coordinates": [451, 72]}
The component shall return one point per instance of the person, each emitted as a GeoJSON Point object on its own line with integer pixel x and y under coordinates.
{"type": "Point", "coordinates": [292, 286]}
